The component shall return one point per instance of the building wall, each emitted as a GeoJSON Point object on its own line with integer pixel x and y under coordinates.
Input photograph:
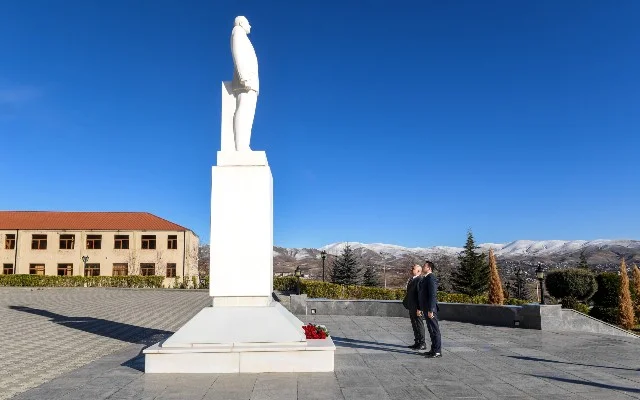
{"type": "Point", "coordinates": [185, 256]}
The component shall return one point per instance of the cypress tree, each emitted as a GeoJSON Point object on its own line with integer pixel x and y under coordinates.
{"type": "Point", "coordinates": [625, 310]}
{"type": "Point", "coordinates": [496, 296]}
{"type": "Point", "coordinates": [636, 286]}
{"type": "Point", "coordinates": [472, 276]}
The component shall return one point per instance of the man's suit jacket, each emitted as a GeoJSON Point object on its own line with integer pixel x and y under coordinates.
{"type": "Point", "coordinates": [411, 298]}
{"type": "Point", "coordinates": [427, 294]}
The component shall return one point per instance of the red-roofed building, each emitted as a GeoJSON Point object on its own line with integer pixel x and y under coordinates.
{"type": "Point", "coordinates": [96, 243]}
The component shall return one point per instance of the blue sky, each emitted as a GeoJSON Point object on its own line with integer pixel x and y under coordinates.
{"type": "Point", "coordinates": [403, 122]}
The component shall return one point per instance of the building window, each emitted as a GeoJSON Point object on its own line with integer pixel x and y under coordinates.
{"type": "Point", "coordinates": [10, 241]}
{"type": "Point", "coordinates": [147, 269]}
{"type": "Point", "coordinates": [122, 242]}
{"type": "Point", "coordinates": [38, 242]}
{"type": "Point", "coordinates": [171, 270]}
{"type": "Point", "coordinates": [7, 269]}
{"type": "Point", "coordinates": [94, 242]}
{"type": "Point", "coordinates": [65, 269]}
{"type": "Point", "coordinates": [149, 242]}
{"type": "Point", "coordinates": [120, 269]}
{"type": "Point", "coordinates": [172, 244]}
{"type": "Point", "coordinates": [92, 270]}
{"type": "Point", "coordinates": [67, 241]}
{"type": "Point", "coordinates": [36, 269]}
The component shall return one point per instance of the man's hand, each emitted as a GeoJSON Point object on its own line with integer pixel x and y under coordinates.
{"type": "Point", "coordinates": [419, 313]}
{"type": "Point", "coordinates": [430, 314]}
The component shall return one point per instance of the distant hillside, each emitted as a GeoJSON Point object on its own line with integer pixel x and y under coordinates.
{"type": "Point", "coordinates": [602, 255]}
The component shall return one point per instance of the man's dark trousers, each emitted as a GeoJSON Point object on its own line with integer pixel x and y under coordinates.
{"type": "Point", "coordinates": [412, 305]}
{"type": "Point", "coordinates": [434, 333]}
{"type": "Point", "coordinates": [418, 327]}
{"type": "Point", "coordinates": [428, 300]}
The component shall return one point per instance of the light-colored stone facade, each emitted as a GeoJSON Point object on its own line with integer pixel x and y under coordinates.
{"type": "Point", "coordinates": [26, 258]}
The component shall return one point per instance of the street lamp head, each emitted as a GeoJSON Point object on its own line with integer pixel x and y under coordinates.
{"type": "Point", "coordinates": [323, 254]}
{"type": "Point", "coordinates": [297, 272]}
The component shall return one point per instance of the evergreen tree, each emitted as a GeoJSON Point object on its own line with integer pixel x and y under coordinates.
{"type": "Point", "coordinates": [625, 310]}
{"type": "Point", "coordinates": [370, 277]}
{"type": "Point", "coordinates": [345, 269]}
{"type": "Point", "coordinates": [636, 287]}
{"type": "Point", "coordinates": [583, 261]}
{"type": "Point", "coordinates": [496, 296]}
{"type": "Point", "coordinates": [472, 276]}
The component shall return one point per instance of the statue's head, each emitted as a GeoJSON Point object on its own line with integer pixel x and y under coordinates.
{"type": "Point", "coordinates": [243, 23]}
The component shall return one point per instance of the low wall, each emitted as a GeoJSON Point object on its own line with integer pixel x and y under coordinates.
{"type": "Point", "coordinates": [528, 316]}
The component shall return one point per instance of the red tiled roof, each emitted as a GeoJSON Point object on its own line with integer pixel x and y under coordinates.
{"type": "Point", "coordinates": [85, 221]}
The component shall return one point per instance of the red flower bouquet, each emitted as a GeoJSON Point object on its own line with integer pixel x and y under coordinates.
{"type": "Point", "coordinates": [315, 331]}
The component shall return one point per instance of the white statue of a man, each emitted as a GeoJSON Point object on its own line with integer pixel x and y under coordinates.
{"type": "Point", "coordinates": [245, 84]}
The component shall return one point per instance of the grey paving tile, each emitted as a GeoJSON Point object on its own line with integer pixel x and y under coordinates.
{"type": "Point", "coordinates": [365, 393]}
{"type": "Point", "coordinates": [452, 390]}
{"type": "Point", "coordinates": [89, 342]}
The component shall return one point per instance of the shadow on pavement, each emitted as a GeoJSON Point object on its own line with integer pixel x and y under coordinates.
{"type": "Point", "coordinates": [587, 383]}
{"type": "Point", "coordinates": [363, 344]}
{"type": "Point", "coordinates": [103, 327]}
{"type": "Point", "coordinates": [571, 363]}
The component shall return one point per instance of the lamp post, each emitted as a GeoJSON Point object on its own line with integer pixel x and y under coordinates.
{"type": "Point", "coordinates": [297, 274]}
{"type": "Point", "coordinates": [540, 276]}
{"type": "Point", "coordinates": [384, 267]}
{"type": "Point", "coordinates": [323, 255]}
{"type": "Point", "coordinates": [519, 283]}
{"type": "Point", "coordinates": [84, 260]}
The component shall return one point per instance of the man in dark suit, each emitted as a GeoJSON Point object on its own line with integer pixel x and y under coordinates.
{"type": "Point", "coordinates": [428, 307]}
{"type": "Point", "coordinates": [411, 303]}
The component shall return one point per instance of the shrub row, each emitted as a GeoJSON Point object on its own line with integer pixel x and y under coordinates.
{"type": "Point", "coordinates": [132, 281]}
{"type": "Point", "coordinates": [317, 289]}
{"type": "Point", "coordinates": [579, 284]}
{"type": "Point", "coordinates": [606, 300]}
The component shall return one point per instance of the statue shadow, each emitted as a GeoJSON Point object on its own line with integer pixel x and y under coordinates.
{"type": "Point", "coordinates": [102, 327]}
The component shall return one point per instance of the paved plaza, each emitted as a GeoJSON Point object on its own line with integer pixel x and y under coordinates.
{"type": "Point", "coordinates": [85, 343]}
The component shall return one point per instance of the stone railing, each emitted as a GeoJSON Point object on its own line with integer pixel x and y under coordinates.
{"type": "Point", "coordinates": [528, 316]}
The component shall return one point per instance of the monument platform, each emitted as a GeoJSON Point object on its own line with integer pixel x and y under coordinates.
{"type": "Point", "coordinates": [241, 339]}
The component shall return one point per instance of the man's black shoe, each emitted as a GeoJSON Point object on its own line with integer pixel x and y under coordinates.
{"type": "Point", "coordinates": [422, 347]}
{"type": "Point", "coordinates": [433, 355]}
{"type": "Point", "coordinates": [414, 346]}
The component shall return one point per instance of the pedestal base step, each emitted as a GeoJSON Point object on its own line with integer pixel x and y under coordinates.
{"type": "Point", "coordinates": [316, 356]}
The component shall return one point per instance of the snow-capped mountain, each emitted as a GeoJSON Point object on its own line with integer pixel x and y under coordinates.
{"type": "Point", "coordinates": [513, 249]}
{"type": "Point", "coordinates": [601, 254]}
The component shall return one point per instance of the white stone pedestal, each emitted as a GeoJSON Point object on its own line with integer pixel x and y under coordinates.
{"type": "Point", "coordinates": [244, 330]}
{"type": "Point", "coordinates": [241, 339]}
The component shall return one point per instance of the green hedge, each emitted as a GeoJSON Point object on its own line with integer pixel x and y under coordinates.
{"type": "Point", "coordinates": [576, 283]}
{"type": "Point", "coordinates": [133, 281]}
{"type": "Point", "coordinates": [606, 300]}
{"type": "Point", "coordinates": [318, 289]}
{"type": "Point", "coordinates": [574, 304]}
{"type": "Point", "coordinates": [608, 290]}
{"type": "Point", "coordinates": [606, 314]}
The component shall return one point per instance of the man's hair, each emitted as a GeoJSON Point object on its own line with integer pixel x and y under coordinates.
{"type": "Point", "coordinates": [429, 264]}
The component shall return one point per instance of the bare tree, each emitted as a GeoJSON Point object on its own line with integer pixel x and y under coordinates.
{"type": "Point", "coordinates": [133, 265]}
